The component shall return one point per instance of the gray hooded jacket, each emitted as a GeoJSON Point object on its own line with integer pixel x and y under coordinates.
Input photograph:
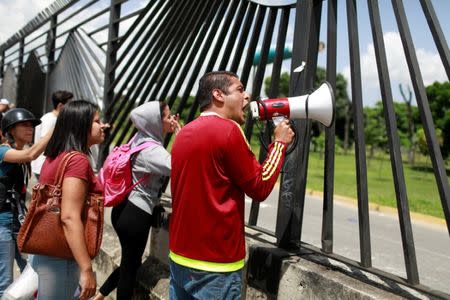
{"type": "Point", "coordinates": [154, 159]}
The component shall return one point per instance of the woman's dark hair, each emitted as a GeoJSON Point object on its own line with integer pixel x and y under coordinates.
{"type": "Point", "coordinates": [72, 128]}
{"type": "Point", "coordinates": [162, 107]}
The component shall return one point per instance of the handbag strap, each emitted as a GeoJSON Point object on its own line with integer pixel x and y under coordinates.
{"type": "Point", "coordinates": [62, 167]}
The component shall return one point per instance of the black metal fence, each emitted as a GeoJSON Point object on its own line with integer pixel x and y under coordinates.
{"type": "Point", "coordinates": [121, 54]}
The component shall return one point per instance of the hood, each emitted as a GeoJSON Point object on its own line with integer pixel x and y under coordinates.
{"type": "Point", "coordinates": [147, 120]}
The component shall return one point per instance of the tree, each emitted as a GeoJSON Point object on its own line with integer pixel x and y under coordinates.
{"type": "Point", "coordinates": [410, 122]}
{"type": "Point", "coordinates": [439, 98]}
{"type": "Point", "coordinates": [375, 128]}
{"type": "Point", "coordinates": [283, 85]}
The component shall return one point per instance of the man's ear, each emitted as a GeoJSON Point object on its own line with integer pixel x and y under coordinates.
{"type": "Point", "coordinates": [218, 95]}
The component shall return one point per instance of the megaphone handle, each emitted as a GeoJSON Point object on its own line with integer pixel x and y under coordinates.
{"type": "Point", "coordinates": [295, 141]}
{"type": "Point", "coordinates": [290, 148]}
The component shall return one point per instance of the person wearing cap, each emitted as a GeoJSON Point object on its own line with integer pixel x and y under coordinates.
{"type": "Point", "coordinates": [4, 105]}
{"type": "Point", "coordinates": [18, 126]}
{"type": "Point", "coordinates": [59, 99]}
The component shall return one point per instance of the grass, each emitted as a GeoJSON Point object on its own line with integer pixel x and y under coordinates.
{"type": "Point", "coordinates": [422, 192]}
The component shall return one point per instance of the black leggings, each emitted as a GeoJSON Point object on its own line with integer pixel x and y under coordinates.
{"type": "Point", "coordinates": [132, 225]}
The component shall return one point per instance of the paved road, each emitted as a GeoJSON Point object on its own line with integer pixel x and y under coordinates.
{"type": "Point", "coordinates": [432, 241]}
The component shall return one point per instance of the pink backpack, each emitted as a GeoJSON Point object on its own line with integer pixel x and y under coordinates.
{"type": "Point", "coordinates": [115, 175]}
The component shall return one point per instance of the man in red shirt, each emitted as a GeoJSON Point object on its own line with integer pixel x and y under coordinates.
{"type": "Point", "coordinates": [213, 168]}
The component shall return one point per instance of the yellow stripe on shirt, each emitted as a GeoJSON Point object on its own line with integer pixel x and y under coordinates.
{"type": "Point", "coordinates": [273, 161]}
{"type": "Point", "coordinates": [276, 149]}
{"type": "Point", "coordinates": [271, 157]}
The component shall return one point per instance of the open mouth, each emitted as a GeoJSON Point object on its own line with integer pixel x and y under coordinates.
{"type": "Point", "coordinates": [245, 109]}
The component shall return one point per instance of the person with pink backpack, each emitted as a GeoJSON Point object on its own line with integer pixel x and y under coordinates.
{"type": "Point", "coordinates": [133, 217]}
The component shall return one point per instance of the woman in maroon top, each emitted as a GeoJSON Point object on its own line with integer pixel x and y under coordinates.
{"type": "Point", "coordinates": [78, 127]}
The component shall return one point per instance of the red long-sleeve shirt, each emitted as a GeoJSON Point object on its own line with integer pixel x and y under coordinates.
{"type": "Point", "coordinates": [212, 167]}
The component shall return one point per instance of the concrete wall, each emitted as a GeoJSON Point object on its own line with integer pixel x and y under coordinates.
{"type": "Point", "coordinates": [301, 276]}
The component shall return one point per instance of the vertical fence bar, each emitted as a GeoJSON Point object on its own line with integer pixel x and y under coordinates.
{"type": "Point", "coordinates": [230, 13]}
{"type": "Point", "coordinates": [330, 134]}
{"type": "Point", "coordinates": [135, 48]}
{"type": "Point", "coordinates": [138, 70]}
{"type": "Point", "coordinates": [191, 57]}
{"type": "Point", "coordinates": [251, 48]}
{"type": "Point", "coordinates": [111, 56]}
{"type": "Point", "coordinates": [231, 10]}
{"type": "Point", "coordinates": [50, 51]}
{"type": "Point", "coordinates": [183, 56]}
{"type": "Point", "coordinates": [360, 147]}
{"type": "Point", "coordinates": [208, 39]}
{"type": "Point", "coordinates": [243, 37]}
{"type": "Point", "coordinates": [161, 53]}
{"type": "Point", "coordinates": [424, 109]}
{"type": "Point", "coordinates": [234, 32]}
{"type": "Point", "coordinates": [276, 70]}
{"type": "Point", "coordinates": [293, 181]}
{"type": "Point", "coordinates": [394, 145]}
{"type": "Point", "coordinates": [256, 91]}
{"type": "Point", "coordinates": [261, 68]}
{"type": "Point", "coordinates": [137, 37]}
{"type": "Point", "coordinates": [438, 35]}
{"type": "Point", "coordinates": [156, 70]}
{"type": "Point", "coordinates": [170, 57]}
{"type": "Point", "coordinates": [21, 48]}
{"type": "Point", "coordinates": [2, 65]}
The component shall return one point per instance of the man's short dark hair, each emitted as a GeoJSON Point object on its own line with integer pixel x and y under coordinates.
{"type": "Point", "coordinates": [61, 97]}
{"type": "Point", "coordinates": [213, 80]}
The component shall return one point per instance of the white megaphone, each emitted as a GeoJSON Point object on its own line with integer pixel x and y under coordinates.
{"type": "Point", "coordinates": [318, 106]}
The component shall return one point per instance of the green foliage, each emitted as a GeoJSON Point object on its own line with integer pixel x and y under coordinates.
{"type": "Point", "coordinates": [319, 143]}
{"type": "Point", "coordinates": [401, 113]}
{"type": "Point", "coordinates": [184, 113]}
{"type": "Point", "coordinates": [422, 140]}
{"type": "Point", "coordinates": [439, 98]}
{"type": "Point", "coordinates": [283, 86]}
{"type": "Point", "coordinates": [374, 127]}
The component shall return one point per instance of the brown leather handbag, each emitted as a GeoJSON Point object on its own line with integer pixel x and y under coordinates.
{"type": "Point", "coordinates": [42, 232]}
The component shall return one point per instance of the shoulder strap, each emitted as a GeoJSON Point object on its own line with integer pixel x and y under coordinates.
{"type": "Point", "coordinates": [131, 140]}
{"type": "Point", "coordinates": [62, 166]}
{"type": "Point", "coordinates": [143, 146]}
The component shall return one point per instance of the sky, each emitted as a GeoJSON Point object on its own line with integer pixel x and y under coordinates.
{"type": "Point", "coordinates": [15, 14]}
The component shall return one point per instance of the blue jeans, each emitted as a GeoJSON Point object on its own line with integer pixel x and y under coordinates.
{"type": "Point", "coordinates": [7, 247]}
{"type": "Point", "coordinates": [188, 283]}
{"type": "Point", "coordinates": [58, 278]}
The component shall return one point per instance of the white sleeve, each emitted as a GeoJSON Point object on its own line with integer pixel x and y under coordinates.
{"type": "Point", "coordinates": [46, 126]}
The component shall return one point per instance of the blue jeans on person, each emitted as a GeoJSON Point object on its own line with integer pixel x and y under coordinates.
{"type": "Point", "coordinates": [7, 247]}
{"type": "Point", "coordinates": [187, 283]}
{"type": "Point", "coordinates": [58, 278]}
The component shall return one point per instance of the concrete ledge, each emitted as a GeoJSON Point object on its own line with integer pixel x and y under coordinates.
{"type": "Point", "coordinates": [302, 275]}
